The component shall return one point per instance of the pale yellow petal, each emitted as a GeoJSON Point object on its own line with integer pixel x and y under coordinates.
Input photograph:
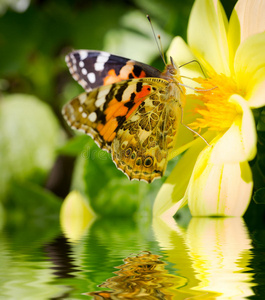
{"type": "Point", "coordinates": [256, 95]}
{"type": "Point", "coordinates": [233, 36]}
{"type": "Point", "coordinates": [219, 189]}
{"type": "Point", "coordinates": [250, 69]}
{"type": "Point", "coordinates": [186, 137]}
{"type": "Point", "coordinates": [251, 16]}
{"type": "Point", "coordinates": [167, 201]}
{"type": "Point", "coordinates": [207, 35]}
{"type": "Point", "coordinates": [239, 142]}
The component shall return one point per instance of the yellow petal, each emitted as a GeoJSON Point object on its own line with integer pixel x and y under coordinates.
{"type": "Point", "coordinates": [207, 35]}
{"type": "Point", "coordinates": [217, 189]}
{"type": "Point", "coordinates": [250, 69]}
{"type": "Point", "coordinates": [233, 36]}
{"type": "Point", "coordinates": [186, 137]}
{"type": "Point", "coordinates": [251, 16]}
{"type": "Point", "coordinates": [167, 201]}
{"type": "Point", "coordinates": [75, 216]}
{"type": "Point", "coordinates": [182, 55]}
{"type": "Point", "coordinates": [239, 141]}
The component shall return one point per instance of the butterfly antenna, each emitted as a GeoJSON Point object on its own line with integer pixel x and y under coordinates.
{"type": "Point", "coordinates": [161, 47]}
{"type": "Point", "coordinates": [158, 46]}
{"type": "Point", "coordinates": [194, 61]}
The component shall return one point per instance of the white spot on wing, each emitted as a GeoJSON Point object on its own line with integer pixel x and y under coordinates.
{"type": "Point", "coordinates": [84, 71]}
{"type": "Point", "coordinates": [92, 117]}
{"type": "Point", "coordinates": [81, 64]}
{"type": "Point", "coordinates": [101, 59]}
{"type": "Point", "coordinates": [80, 109]}
{"type": "Point", "coordinates": [82, 98]}
{"type": "Point", "coordinates": [128, 91]}
{"type": "Point", "coordinates": [75, 76]}
{"type": "Point", "coordinates": [83, 54]}
{"type": "Point", "coordinates": [74, 67]}
{"type": "Point", "coordinates": [99, 66]}
{"type": "Point", "coordinates": [91, 77]}
{"type": "Point", "coordinates": [102, 93]}
{"type": "Point", "coordinates": [84, 115]}
{"type": "Point", "coordinates": [83, 83]}
{"type": "Point", "coordinates": [100, 101]}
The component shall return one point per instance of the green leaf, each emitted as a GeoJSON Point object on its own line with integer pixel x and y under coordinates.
{"type": "Point", "coordinates": [260, 113]}
{"type": "Point", "coordinates": [29, 136]}
{"type": "Point", "coordinates": [74, 146]}
{"type": "Point", "coordinates": [135, 30]}
{"type": "Point", "coordinates": [259, 196]}
{"type": "Point", "coordinates": [28, 209]}
{"type": "Point", "coordinates": [29, 200]}
{"type": "Point", "coordinates": [119, 197]}
{"type": "Point", "coordinates": [258, 164]}
{"type": "Point", "coordinates": [109, 191]}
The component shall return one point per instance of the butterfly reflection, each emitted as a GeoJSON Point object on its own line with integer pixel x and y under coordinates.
{"type": "Point", "coordinates": [140, 277]}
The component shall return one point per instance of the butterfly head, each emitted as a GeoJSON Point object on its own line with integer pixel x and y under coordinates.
{"type": "Point", "coordinates": [173, 68]}
{"type": "Point", "coordinates": [171, 72]}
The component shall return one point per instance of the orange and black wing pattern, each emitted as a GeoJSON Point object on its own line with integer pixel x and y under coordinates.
{"type": "Point", "coordinates": [92, 69]}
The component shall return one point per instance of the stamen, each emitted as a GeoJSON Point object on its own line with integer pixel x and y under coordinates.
{"type": "Point", "coordinates": [216, 112]}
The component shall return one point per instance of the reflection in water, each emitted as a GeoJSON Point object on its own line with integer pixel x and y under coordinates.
{"type": "Point", "coordinates": [59, 253]}
{"type": "Point", "coordinates": [141, 277]}
{"type": "Point", "coordinates": [220, 249]}
{"type": "Point", "coordinates": [210, 259]}
{"type": "Point", "coordinates": [218, 252]}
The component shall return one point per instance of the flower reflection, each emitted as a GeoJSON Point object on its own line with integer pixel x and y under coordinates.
{"type": "Point", "coordinates": [220, 250]}
{"type": "Point", "coordinates": [142, 277]}
{"type": "Point", "coordinates": [76, 216]}
{"type": "Point", "coordinates": [218, 255]}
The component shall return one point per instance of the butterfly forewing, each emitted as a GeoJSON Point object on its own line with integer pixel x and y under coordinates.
{"type": "Point", "coordinates": [92, 69]}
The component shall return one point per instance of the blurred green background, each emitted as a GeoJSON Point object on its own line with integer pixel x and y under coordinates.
{"type": "Point", "coordinates": [41, 158]}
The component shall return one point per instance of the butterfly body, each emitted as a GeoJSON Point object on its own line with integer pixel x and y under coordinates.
{"type": "Point", "coordinates": [130, 109]}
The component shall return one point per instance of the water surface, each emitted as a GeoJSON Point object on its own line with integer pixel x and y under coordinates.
{"type": "Point", "coordinates": [208, 258]}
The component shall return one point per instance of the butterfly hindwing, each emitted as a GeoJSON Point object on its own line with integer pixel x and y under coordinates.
{"type": "Point", "coordinates": [92, 69]}
{"type": "Point", "coordinates": [141, 146]}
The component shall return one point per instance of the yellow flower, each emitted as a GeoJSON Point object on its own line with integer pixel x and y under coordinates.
{"type": "Point", "coordinates": [217, 180]}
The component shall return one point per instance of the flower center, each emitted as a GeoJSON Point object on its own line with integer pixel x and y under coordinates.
{"type": "Point", "coordinates": [216, 113]}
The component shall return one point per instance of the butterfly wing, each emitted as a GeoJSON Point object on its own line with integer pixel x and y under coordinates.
{"type": "Point", "coordinates": [135, 120]}
{"type": "Point", "coordinates": [141, 146]}
{"type": "Point", "coordinates": [101, 112]}
{"type": "Point", "coordinates": [92, 69]}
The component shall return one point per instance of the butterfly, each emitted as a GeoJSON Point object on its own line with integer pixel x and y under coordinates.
{"type": "Point", "coordinates": [129, 108]}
